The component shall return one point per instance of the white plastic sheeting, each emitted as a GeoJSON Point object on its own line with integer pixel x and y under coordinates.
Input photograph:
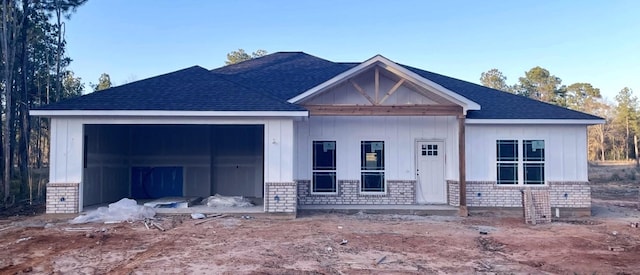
{"type": "Point", "coordinates": [228, 201]}
{"type": "Point", "coordinates": [122, 210]}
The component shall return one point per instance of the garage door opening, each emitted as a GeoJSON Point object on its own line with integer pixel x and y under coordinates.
{"type": "Point", "coordinates": [146, 162]}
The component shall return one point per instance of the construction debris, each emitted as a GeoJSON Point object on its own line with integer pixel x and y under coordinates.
{"type": "Point", "coordinates": [197, 216]}
{"type": "Point", "coordinates": [8, 227]}
{"type": "Point", "coordinates": [537, 207]}
{"type": "Point", "coordinates": [174, 202]}
{"type": "Point", "coordinates": [123, 210]}
{"type": "Point", "coordinates": [148, 223]}
{"type": "Point", "coordinates": [381, 260]}
{"type": "Point", "coordinates": [228, 201]}
{"type": "Point", "coordinates": [23, 239]}
{"type": "Point", "coordinates": [210, 218]}
{"type": "Point", "coordinates": [78, 229]}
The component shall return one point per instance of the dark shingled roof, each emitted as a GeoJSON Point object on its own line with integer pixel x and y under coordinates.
{"type": "Point", "coordinates": [283, 75]}
{"type": "Point", "coordinates": [190, 89]}
{"type": "Point", "coordinates": [266, 83]}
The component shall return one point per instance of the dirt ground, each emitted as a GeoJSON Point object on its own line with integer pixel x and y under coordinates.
{"type": "Point", "coordinates": [605, 243]}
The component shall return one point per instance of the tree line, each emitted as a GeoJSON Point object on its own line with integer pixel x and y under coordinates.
{"type": "Point", "coordinates": [35, 72]}
{"type": "Point", "coordinates": [616, 139]}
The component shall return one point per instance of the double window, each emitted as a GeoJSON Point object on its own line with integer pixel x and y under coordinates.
{"type": "Point", "coordinates": [520, 164]}
{"type": "Point", "coordinates": [324, 167]}
{"type": "Point", "coordinates": [372, 166]}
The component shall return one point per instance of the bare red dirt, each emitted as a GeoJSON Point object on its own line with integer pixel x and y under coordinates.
{"type": "Point", "coordinates": [311, 244]}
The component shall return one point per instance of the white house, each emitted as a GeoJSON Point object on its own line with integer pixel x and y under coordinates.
{"type": "Point", "coordinates": [303, 132]}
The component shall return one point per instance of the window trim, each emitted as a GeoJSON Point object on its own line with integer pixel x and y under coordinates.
{"type": "Point", "coordinates": [520, 162]}
{"type": "Point", "coordinates": [383, 170]}
{"type": "Point", "coordinates": [313, 171]}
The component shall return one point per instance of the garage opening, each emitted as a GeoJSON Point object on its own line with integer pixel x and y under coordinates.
{"type": "Point", "coordinates": [147, 162]}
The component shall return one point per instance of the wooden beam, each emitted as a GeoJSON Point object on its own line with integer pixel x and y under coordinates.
{"type": "Point", "coordinates": [462, 167]}
{"type": "Point", "coordinates": [392, 90]}
{"type": "Point", "coordinates": [377, 85]}
{"type": "Point", "coordinates": [392, 110]}
{"type": "Point", "coordinates": [361, 91]}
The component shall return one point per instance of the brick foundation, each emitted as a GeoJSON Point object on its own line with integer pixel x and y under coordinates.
{"type": "Point", "coordinates": [398, 192]}
{"type": "Point", "coordinates": [280, 197]}
{"type": "Point", "coordinates": [489, 194]}
{"type": "Point", "coordinates": [453, 193]}
{"type": "Point", "coordinates": [570, 194]}
{"type": "Point", "coordinates": [62, 198]}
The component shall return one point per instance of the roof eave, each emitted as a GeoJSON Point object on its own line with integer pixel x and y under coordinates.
{"type": "Point", "coordinates": [156, 113]}
{"type": "Point", "coordinates": [535, 121]}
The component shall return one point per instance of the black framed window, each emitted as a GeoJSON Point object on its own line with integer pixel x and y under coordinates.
{"type": "Point", "coordinates": [324, 167]}
{"type": "Point", "coordinates": [512, 169]}
{"type": "Point", "coordinates": [507, 157]}
{"type": "Point", "coordinates": [372, 166]}
{"type": "Point", "coordinates": [533, 161]}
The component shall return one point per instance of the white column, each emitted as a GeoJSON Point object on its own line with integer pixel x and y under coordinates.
{"type": "Point", "coordinates": [66, 151]}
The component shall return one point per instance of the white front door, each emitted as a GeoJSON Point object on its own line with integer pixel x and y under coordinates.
{"type": "Point", "coordinates": [431, 187]}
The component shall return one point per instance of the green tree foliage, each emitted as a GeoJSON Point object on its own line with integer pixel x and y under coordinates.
{"type": "Point", "coordinates": [495, 79]}
{"type": "Point", "coordinates": [104, 82]}
{"type": "Point", "coordinates": [626, 120]}
{"type": "Point", "coordinates": [539, 84]}
{"type": "Point", "coordinates": [240, 55]}
{"type": "Point", "coordinates": [71, 86]}
{"type": "Point", "coordinates": [582, 97]}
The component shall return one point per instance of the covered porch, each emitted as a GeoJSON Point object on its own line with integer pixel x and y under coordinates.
{"type": "Point", "coordinates": [386, 138]}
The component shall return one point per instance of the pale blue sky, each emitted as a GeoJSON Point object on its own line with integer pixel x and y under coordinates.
{"type": "Point", "coordinates": [579, 41]}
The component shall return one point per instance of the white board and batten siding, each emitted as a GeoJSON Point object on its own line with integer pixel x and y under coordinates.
{"type": "Point", "coordinates": [565, 147]}
{"type": "Point", "coordinates": [66, 151]}
{"type": "Point", "coordinates": [278, 154]}
{"type": "Point", "coordinates": [399, 134]}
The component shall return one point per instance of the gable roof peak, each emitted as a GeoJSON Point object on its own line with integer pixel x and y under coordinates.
{"type": "Point", "coordinates": [394, 68]}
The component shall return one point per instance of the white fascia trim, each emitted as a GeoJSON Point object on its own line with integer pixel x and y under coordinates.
{"type": "Point", "coordinates": [536, 121]}
{"type": "Point", "coordinates": [120, 113]}
{"type": "Point", "coordinates": [394, 68]}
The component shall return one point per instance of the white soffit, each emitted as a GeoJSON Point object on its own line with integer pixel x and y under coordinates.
{"type": "Point", "coordinates": [119, 113]}
{"type": "Point", "coordinates": [535, 121]}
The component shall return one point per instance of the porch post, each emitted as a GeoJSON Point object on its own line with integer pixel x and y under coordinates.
{"type": "Point", "coordinates": [462, 166]}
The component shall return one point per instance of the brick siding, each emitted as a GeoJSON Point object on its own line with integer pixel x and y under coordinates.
{"type": "Point", "coordinates": [62, 198]}
{"type": "Point", "coordinates": [280, 197]}
{"type": "Point", "coordinates": [453, 193]}
{"type": "Point", "coordinates": [398, 192]}
{"type": "Point", "coordinates": [489, 194]}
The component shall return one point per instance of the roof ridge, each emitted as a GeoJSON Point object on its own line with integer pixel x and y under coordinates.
{"type": "Point", "coordinates": [194, 67]}
{"type": "Point", "coordinates": [244, 62]}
